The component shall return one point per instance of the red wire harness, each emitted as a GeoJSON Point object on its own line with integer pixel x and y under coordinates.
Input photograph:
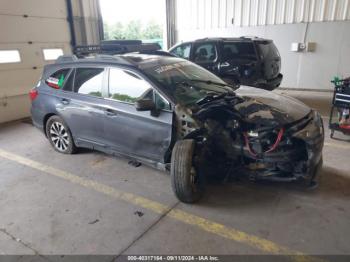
{"type": "Point", "coordinates": [272, 148]}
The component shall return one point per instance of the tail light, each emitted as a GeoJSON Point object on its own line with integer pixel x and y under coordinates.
{"type": "Point", "coordinates": [33, 94]}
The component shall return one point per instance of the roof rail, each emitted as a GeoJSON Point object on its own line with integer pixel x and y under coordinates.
{"type": "Point", "coordinates": [113, 47]}
{"type": "Point", "coordinates": [249, 37]}
{"type": "Point", "coordinates": [66, 58]}
{"type": "Point", "coordinates": [157, 52]}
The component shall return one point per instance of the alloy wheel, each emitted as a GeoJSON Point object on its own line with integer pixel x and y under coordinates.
{"type": "Point", "coordinates": [59, 136]}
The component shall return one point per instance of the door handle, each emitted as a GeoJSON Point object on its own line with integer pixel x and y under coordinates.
{"type": "Point", "coordinates": [65, 101]}
{"type": "Point", "coordinates": [110, 112]}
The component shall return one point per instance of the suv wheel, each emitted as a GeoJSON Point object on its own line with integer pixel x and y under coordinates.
{"type": "Point", "coordinates": [59, 135]}
{"type": "Point", "coordinates": [184, 178]}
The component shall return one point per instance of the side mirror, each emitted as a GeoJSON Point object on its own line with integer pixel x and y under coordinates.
{"type": "Point", "coordinates": [145, 105]}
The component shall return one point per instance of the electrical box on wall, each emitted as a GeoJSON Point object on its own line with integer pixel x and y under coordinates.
{"type": "Point", "coordinates": [296, 47]}
{"type": "Point", "coordinates": [299, 47]}
{"type": "Point", "coordinates": [310, 47]}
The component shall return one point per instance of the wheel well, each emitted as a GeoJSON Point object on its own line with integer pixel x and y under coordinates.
{"type": "Point", "coordinates": [45, 121]}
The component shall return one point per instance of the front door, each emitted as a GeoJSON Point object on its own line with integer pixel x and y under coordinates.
{"type": "Point", "coordinates": [205, 54]}
{"type": "Point", "coordinates": [132, 132]}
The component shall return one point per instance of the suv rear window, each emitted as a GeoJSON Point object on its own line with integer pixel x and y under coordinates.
{"type": "Point", "coordinates": [268, 50]}
{"type": "Point", "coordinates": [57, 79]}
{"type": "Point", "coordinates": [238, 50]}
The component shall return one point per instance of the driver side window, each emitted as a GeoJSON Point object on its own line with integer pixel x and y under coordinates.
{"type": "Point", "coordinates": [205, 53]}
{"type": "Point", "coordinates": [125, 86]}
{"type": "Point", "coordinates": [182, 51]}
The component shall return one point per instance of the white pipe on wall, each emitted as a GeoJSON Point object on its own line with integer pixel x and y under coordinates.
{"type": "Point", "coordinates": [346, 9]}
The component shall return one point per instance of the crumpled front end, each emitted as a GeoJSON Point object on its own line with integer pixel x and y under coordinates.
{"type": "Point", "coordinates": [289, 153]}
{"type": "Point", "coordinates": [244, 136]}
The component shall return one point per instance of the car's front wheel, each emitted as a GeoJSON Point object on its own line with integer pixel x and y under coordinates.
{"type": "Point", "coordinates": [185, 180]}
{"type": "Point", "coordinates": [59, 135]}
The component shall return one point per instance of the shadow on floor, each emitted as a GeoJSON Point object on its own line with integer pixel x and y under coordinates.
{"type": "Point", "coordinates": [332, 183]}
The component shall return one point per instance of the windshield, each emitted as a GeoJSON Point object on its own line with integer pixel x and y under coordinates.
{"type": "Point", "coordinates": [186, 83]}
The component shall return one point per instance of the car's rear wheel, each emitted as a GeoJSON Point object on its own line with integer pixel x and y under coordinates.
{"type": "Point", "coordinates": [59, 135]}
{"type": "Point", "coordinates": [185, 180]}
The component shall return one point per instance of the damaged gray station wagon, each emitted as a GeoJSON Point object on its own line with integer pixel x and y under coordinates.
{"type": "Point", "coordinates": [174, 115]}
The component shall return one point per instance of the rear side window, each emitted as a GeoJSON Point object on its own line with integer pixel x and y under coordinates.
{"type": "Point", "coordinates": [182, 51]}
{"type": "Point", "coordinates": [238, 50]}
{"type": "Point", "coordinates": [89, 81]}
{"type": "Point", "coordinates": [57, 79]}
{"type": "Point", "coordinates": [127, 87]}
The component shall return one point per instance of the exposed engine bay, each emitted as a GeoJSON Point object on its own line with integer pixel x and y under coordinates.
{"type": "Point", "coordinates": [244, 135]}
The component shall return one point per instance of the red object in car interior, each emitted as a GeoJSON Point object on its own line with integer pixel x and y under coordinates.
{"type": "Point", "coordinates": [345, 127]}
{"type": "Point", "coordinates": [33, 94]}
{"type": "Point", "coordinates": [53, 85]}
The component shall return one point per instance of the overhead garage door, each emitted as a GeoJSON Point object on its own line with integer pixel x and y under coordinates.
{"type": "Point", "coordinates": [27, 28]}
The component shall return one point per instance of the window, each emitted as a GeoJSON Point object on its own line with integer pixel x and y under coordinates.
{"type": "Point", "coordinates": [238, 50]}
{"type": "Point", "coordinates": [57, 79]}
{"type": "Point", "coordinates": [9, 56]}
{"type": "Point", "coordinates": [268, 50]}
{"type": "Point", "coordinates": [160, 102]}
{"type": "Point", "coordinates": [52, 53]}
{"type": "Point", "coordinates": [88, 81]}
{"type": "Point", "coordinates": [205, 53]}
{"type": "Point", "coordinates": [182, 51]}
{"type": "Point", "coordinates": [126, 86]}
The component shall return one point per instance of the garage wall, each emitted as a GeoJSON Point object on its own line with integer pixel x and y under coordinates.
{"type": "Point", "coordinates": [30, 27]}
{"type": "Point", "coordinates": [325, 22]}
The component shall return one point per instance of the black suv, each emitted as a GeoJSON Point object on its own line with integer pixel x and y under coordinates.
{"type": "Point", "coordinates": [247, 61]}
{"type": "Point", "coordinates": [175, 115]}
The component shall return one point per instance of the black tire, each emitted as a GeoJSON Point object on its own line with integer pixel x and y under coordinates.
{"type": "Point", "coordinates": [185, 181]}
{"type": "Point", "coordinates": [60, 136]}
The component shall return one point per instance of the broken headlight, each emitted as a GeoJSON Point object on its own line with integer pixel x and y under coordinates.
{"type": "Point", "coordinates": [317, 118]}
{"type": "Point", "coordinates": [318, 121]}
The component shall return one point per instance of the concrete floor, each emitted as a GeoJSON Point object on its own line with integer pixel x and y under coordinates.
{"type": "Point", "coordinates": [43, 213]}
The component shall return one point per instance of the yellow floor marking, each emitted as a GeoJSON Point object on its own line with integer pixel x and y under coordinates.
{"type": "Point", "coordinates": [337, 145]}
{"type": "Point", "coordinates": [185, 217]}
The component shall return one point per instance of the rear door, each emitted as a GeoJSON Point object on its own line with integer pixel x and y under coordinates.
{"type": "Point", "coordinates": [130, 131]}
{"type": "Point", "coordinates": [81, 105]}
{"type": "Point", "coordinates": [238, 59]}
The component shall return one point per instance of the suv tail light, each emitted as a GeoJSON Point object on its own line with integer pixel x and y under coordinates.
{"type": "Point", "coordinates": [33, 94]}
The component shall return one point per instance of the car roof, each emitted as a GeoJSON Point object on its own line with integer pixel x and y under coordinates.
{"type": "Point", "coordinates": [131, 60]}
{"type": "Point", "coordinates": [242, 38]}
{"type": "Point", "coordinates": [223, 39]}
